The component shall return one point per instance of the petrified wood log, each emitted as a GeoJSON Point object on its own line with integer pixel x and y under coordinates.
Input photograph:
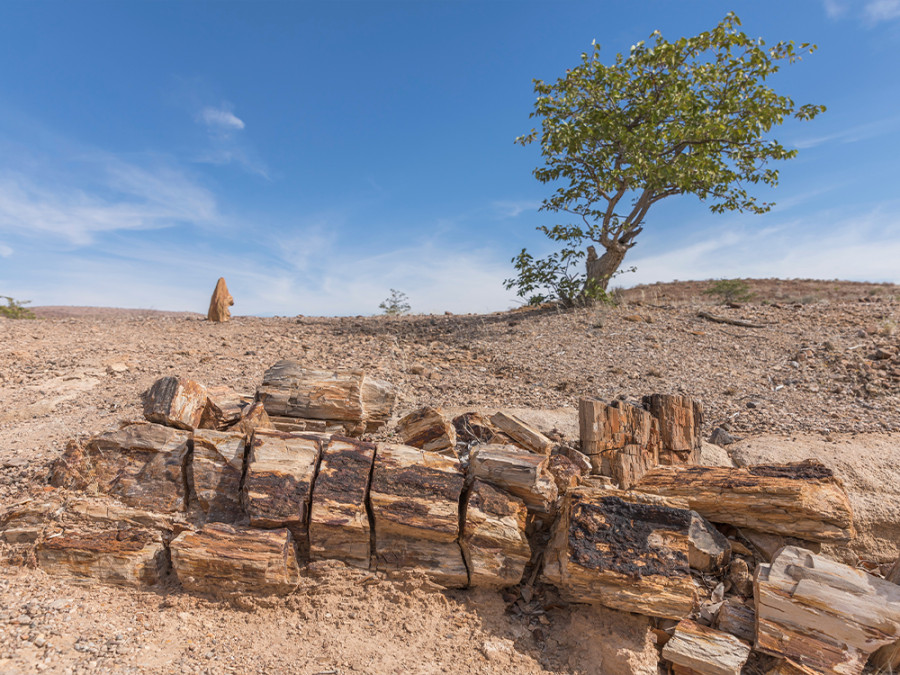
{"type": "Point", "coordinates": [220, 302]}
{"type": "Point", "coordinates": [175, 402]}
{"type": "Point", "coordinates": [281, 468]}
{"type": "Point", "coordinates": [628, 556]}
{"type": "Point", "coordinates": [216, 472]}
{"type": "Point", "coordinates": [126, 557]}
{"type": "Point", "coordinates": [523, 434]}
{"type": "Point", "coordinates": [339, 524]}
{"type": "Point", "coordinates": [705, 651]}
{"type": "Point", "coordinates": [680, 419]}
{"type": "Point", "coordinates": [788, 667]}
{"type": "Point", "coordinates": [493, 542]}
{"type": "Point", "coordinates": [822, 614]}
{"type": "Point", "coordinates": [415, 503]}
{"type": "Point", "coordinates": [427, 429]}
{"type": "Point", "coordinates": [621, 439]}
{"type": "Point", "coordinates": [888, 657]}
{"type": "Point", "coordinates": [766, 545]}
{"type": "Point", "coordinates": [360, 402]}
{"type": "Point", "coordinates": [253, 417]}
{"type": "Point", "coordinates": [518, 471]}
{"type": "Point", "coordinates": [224, 407]}
{"type": "Point", "coordinates": [473, 427]}
{"type": "Point", "coordinates": [228, 558]}
{"type": "Point", "coordinates": [801, 500]}
{"type": "Point", "coordinates": [738, 618]}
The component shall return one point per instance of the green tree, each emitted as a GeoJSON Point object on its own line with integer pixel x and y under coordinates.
{"type": "Point", "coordinates": [15, 309]}
{"type": "Point", "coordinates": [395, 304]}
{"type": "Point", "coordinates": [671, 118]}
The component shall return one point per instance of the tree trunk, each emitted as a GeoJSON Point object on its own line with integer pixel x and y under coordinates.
{"type": "Point", "coordinates": [601, 270]}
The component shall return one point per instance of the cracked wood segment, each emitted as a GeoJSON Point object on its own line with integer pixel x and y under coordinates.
{"type": "Point", "coordinates": [680, 419]}
{"type": "Point", "coordinates": [175, 402]}
{"type": "Point", "coordinates": [493, 542]}
{"type": "Point", "coordinates": [228, 558]}
{"type": "Point", "coordinates": [888, 658]}
{"type": "Point", "coordinates": [216, 471]}
{"type": "Point", "coordinates": [280, 472]}
{"type": "Point", "coordinates": [624, 555]}
{"type": "Point", "coordinates": [708, 548]}
{"type": "Point", "coordinates": [523, 473]}
{"type": "Point", "coordinates": [142, 464]}
{"type": "Point", "coordinates": [415, 503]}
{"type": "Point", "coordinates": [706, 651]}
{"type": "Point", "coordinates": [339, 522]}
{"type": "Point", "coordinates": [428, 429]}
{"type": "Point", "coordinates": [823, 614]}
{"type": "Point", "coordinates": [738, 618]}
{"type": "Point", "coordinates": [253, 417]}
{"type": "Point", "coordinates": [224, 407]}
{"type": "Point", "coordinates": [525, 435]}
{"type": "Point", "coordinates": [361, 402]}
{"type": "Point", "coordinates": [124, 557]}
{"type": "Point", "coordinates": [802, 500]}
{"type": "Point", "coordinates": [621, 439]}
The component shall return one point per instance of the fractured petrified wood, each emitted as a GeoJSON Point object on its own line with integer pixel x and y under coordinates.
{"type": "Point", "coordinates": [216, 471]}
{"type": "Point", "coordinates": [708, 549]}
{"type": "Point", "coordinates": [339, 524]}
{"type": "Point", "coordinates": [224, 407]}
{"type": "Point", "coordinates": [493, 541]}
{"type": "Point", "coordinates": [281, 468]}
{"type": "Point", "coordinates": [705, 651]}
{"type": "Point", "coordinates": [473, 427]}
{"type": "Point", "coordinates": [888, 657]}
{"type": "Point", "coordinates": [351, 397]}
{"type": "Point", "coordinates": [525, 435]}
{"type": "Point", "coordinates": [253, 417]}
{"type": "Point", "coordinates": [175, 402]}
{"type": "Point", "coordinates": [427, 429]}
{"type": "Point", "coordinates": [788, 667]}
{"type": "Point", "coordinates": [227, 558]}
{"type": "Point", "coordinates": [801, 500]}
{"type": "Point", "coordinates": [822, 614]}
{"type": "Point", "coordinates": [738, 618]}
{"type": "Point", "coordinates": [680, 419]}
{"type": "Point", "coordinates": [415, 504]}
{"type": "Point", "coordinates": [628, 556]}
{"type": "Point", "coordinates": [126, 557]}
{"type": "Point", "coordinates": [518, 471]}
{"type": "Point", "coordinates": [621, 439]}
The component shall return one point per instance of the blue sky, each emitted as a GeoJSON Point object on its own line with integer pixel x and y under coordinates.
{"type": "Point", "coordinates": [318, 154]}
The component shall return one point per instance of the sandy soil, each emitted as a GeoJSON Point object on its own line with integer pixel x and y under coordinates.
{"type": "Point", "coordinates": [809, 371]}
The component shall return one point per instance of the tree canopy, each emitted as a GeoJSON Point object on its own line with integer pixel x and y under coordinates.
{"type": "Point", "coordinates": [689, 116]}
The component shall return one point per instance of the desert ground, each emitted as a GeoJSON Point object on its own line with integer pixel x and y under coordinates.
{"type": "Point", "coordinates": [818, 377]}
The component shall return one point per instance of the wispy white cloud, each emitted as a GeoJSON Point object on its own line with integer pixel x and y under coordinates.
{"type": "Point", "coordinates": [877, 11]}
{"type": "Point", "coordinates": [834, 9]}
{"type": "Point", "coordinates": [859, 132]}
{"type": "Point", "coordinates": [5, 251]}
{"type": "Point", "coordinates": [221, 118]}
{"type": "Point", "coordinates": [512, 209]}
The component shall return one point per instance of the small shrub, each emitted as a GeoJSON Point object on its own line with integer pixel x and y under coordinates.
{"type": "Point", "coordinates": [396, 304]}
{"type": "Point", "coordinates": [15, 309]}
{"type": "Point", "coordinates": [730, 290]}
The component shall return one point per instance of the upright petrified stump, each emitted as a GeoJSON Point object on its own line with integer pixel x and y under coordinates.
{"type": "Point", "coordinates": [621, 439]}
{"type": "Point", "coordinates": [124, 557]}
{"type": "Point", "coordinates": [353, 399]}
{"type": "Point", "coordinates": [525, 435]}
{"type": "Point", "coordinates": [224, 407]}
{"type": "Point", "coordinates": [220, 302]}
{"type": "Point", "coordinates": [227, 558]}
{"type": "Point", "coordinates": [280, 473]}
{"type": "Point", "coordinates": [428, 429]}
{"type": "Point", "coordinates": [175, 402]}
{"type": "Point", "coordinates": [822, 614]}
{"type": "Point", "coordinates": [706, 651]}
{"type": "Point", "coordinates": [415, 502]}
{"type": "Point", "coordinates": [801, 500]}
{"type": "Point", "coordinates": [339, 523]}
{"type": "Point", "coordinates": [628, 556]}
{"type": "Point", "coordinates": [680, 419]}
{"type": "Point", "coordinates": [216, 471]}
{"type": "Point", "coordinates": [518, 471]}
{"type": "Point", "coordinates": [494, 543]}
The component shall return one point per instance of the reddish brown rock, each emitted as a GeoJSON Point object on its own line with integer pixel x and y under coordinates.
{"type": "Point", "coordinates": [215, 473]}
{"type": "Point", "coordinates": [706, 651]}
{"type": "Point", "coordinates": [224, 407]}
{"type": "Point", "coordinates": [427, 429]}
{"type": "Point", "coordinates": [494, 543]}
{"type": "Point", "coordinates": [517, 471]}
{"type": "Point", "coordinates": [175, 402]}
{"type": "Point", "coordinates": [523, 434]}
{"type": "Point", "coordinates": [220, 302]}
{"type": "Point", "coordinates": [680, 419]}
{"type": "Point", "coordinates": [621, 439]}
{"type": "Point", "coordinates": [339, 524]}
{"type": "Point", "coordinates": [253, 417]}
{"type": "Point", "coordinates": [473, 427]}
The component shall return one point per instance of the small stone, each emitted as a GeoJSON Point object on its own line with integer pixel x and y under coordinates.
{"type": "Point", "coordinates": [721, 437]}
{"type": "Point", "coordinates": [116, 368]}
{"type": "Point", "coordinates": [740, 577]}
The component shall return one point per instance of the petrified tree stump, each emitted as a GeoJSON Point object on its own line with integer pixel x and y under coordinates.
{"type": "Point", "coordinates": [628, 556]}
{"type": "Point", "coordinates": [680, 419]}
{"type": "Point", "coordinates": [415, 503]}
{"type": "Point", "coordinates": [801, 500]}
{"type": "Point", "coordinates": [216, 471]}
{"type": "Point", "coordinates": [494, 543]}
{"type": "Point", "coordinates": [621, 440]}
{"type": "Point", "coordinates": [227, 558]}
{"type": "Point", "coordinates": [220, 302]}
{"type": "Point", "coordinates": [278, 484]}
{"type": "Point", "coordinates": [520, 472]}
{"type": "Point", "coordinates": [822, 614]}
{"type": "Point", "coordinates": [339, 524]}
{"type": "Point", "coordinates": [427, 429]}
{"type": "Point", "coordinates": [175, 402]}
{"type": "Point", "coordinates": [350, 398]}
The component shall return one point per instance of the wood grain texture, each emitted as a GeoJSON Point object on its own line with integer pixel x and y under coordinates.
{"type": "Point", "coordinates": [705, 650]}
{"type": "Point", "coordinates": [215, 474]}
{"type": "Point", "coordinates": [224, 407]}
{"type": "Point", "coordinates": [680, 419]}
{"type": "Point", "coordinates": [620, 439]}
{"type": "Point", "coordinates": [520, 472]}
{"type": "Point", "coordinates": [494, 544]}
{"type": "Point", "coordinates": [524, 434]}
{"type": "Point", "coordinates": [176, 402]}
{"type": "Point", "coordinates": [427, 429]}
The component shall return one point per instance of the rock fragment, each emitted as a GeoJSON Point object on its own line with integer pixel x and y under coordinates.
{"type": "Point", "coordinates": [525, 435]}
{"type": "Point", "coordinates": [427, 429]}
{"type": "Point", "coordinates": [494, 544]}
{"type": "Point", "coordinates": [175, 402]}
{"type": "Point", "coordinates": [220, 302]}
{"type": "Point", "coordinates": [216, 470]}
{"type": "Point", "coordinates": [518, 471]}
{"type": "Point", "coordinates": [706, 651]}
